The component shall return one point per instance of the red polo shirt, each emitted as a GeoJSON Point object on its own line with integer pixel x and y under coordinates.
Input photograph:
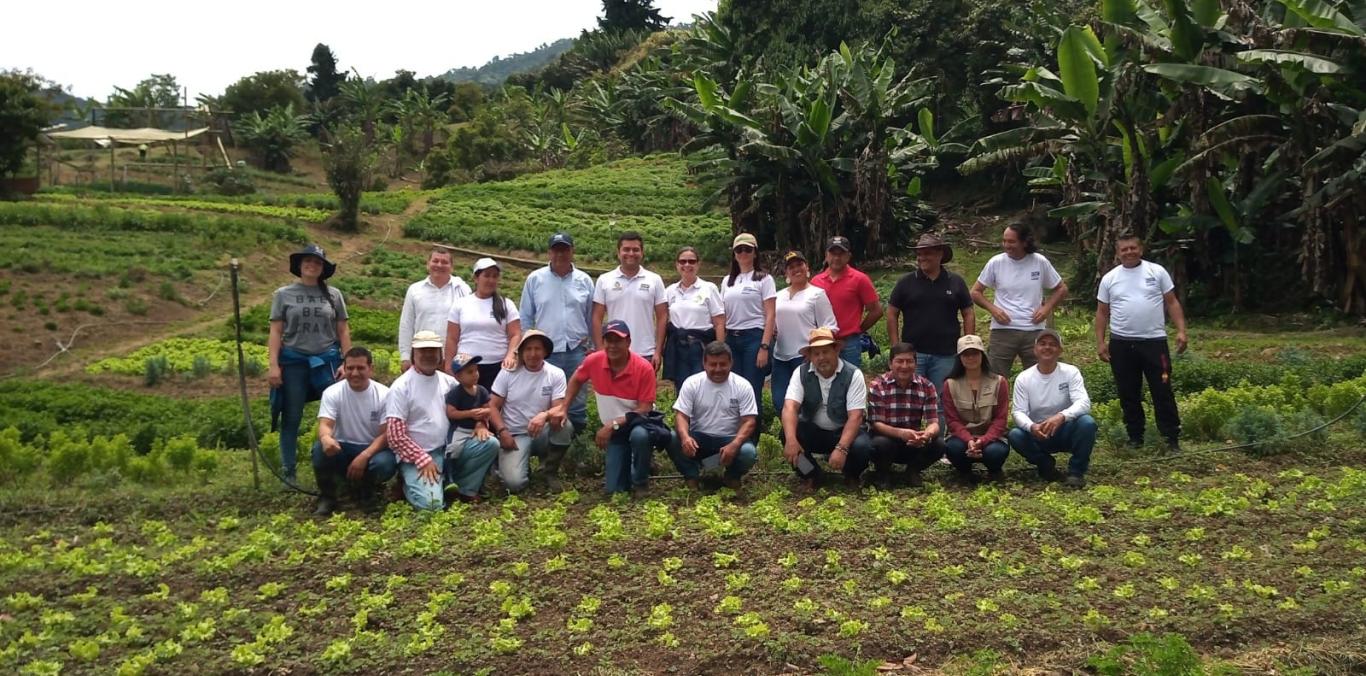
{"type": "Point", "coordinates": [617, 393]}
{"type": "Point", "coordinates": [848, 296]}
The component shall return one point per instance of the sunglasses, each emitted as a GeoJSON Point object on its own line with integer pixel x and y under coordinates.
{"type": "Point", "coordinates": [744, 249]}
{"type": "Point", "coordinates": [687, 261]}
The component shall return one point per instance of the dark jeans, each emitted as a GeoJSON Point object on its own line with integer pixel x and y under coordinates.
{"type": "Point", "coordinates": [816, 440]}
{"type": "Point", "coordinates": [888, 451]}
{"type": "Point", "coordinates": [781, 378]}
{"type": "Point", "coordinates": [294, 390]}
{"type": "Point", "coordinates": [330, 470]}
{"type": "Point", "coordinates": [707, 446]}
{"type": "Point", "coordinates": [744, 348]}
{"type": "Point", "coordinates": [994, 455]}
{"type": "Point", "coordinates": [1132, 361]}
{"type": "Point", "coordinates": [1077, 437]}
{"type": "Point", "coordinates": [488, 373]}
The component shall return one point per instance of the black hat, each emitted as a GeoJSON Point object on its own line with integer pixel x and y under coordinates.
{"type": "Point", "coordinates": [838, 242]}
{"type": "Point", "coordinates": [561, 238]}
{"type": "Point", "coordinates": [329, 268]}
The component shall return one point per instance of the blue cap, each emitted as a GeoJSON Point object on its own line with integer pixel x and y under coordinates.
{"type": "Point", "coordinates": [462, 360]}
{"type": "Point", "coordinates": [561, 238]}
{"type": "Point", "coordinates": [618, 327]}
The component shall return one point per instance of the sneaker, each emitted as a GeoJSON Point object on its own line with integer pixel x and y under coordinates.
{"type": "Point", "coordinates": [325, 506]}
{"type": "Point", "coordinates": [1075, 481]}
{"type": "Point", "coordinates": [395, 493]}
{"type": "Point", "coordinates": [1050, 474]}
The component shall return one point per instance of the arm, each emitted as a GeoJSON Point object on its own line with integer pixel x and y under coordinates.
{"type": "Point", "coordinates": [514, 333]}
{"type": "Point", "coordinates": [273, 344]}
{"type": "Point", "coordinates": [528, 303]}
{"type": "Point", "coordinates": [1081, 401]}
{"type": "Point", "coordinates": [557, 412]}
{"type": "Point", "coordinates": [496, 403]}
{"type": "Point", "coordinates": [595, 324]}
{"type": "Point", "coordinates": [851, 430]}
{"type": "Point", "coordinates": [344, 335]}
{"type": "Point", "coordinates": [955, 420]}
{"type": "Point", "coordinates": [683, 425]}
{"type": "Point", "coordinates": [969, 321]}
{"type": "Point", "coordinates": [327, 427]}
{"type": "Point", "coordinates": [979, 297]}
{"type": "Point", "coordinates": [1178, 318]}
{"type": "Point", "coordinates": [770, 317]}
{"type": "Point", "coordinates": [661, 327]}
{"type": "Point", "coordinates": [718, 324]}
{"type": "Point", "coordinates": [403, 445]}
{"type": "Point", "coordinates": [1020, 407]}
{"type": "Point", "coordinates": [998, 414]}
{"type": "Point", "coordinates": [452, 345]}
{"type": "Point", "coordinates": [790, 446]}
{"type": "Point", "coordinates": [1102, 321]}
{"type": "Point", "coordinates": [405, 331]}
{"type": "Point", "coordinates": [872, 313]}
{"type": "Point", "coordinates": [893, 324]}
{"type": "Point", "coordinates": [1046, 310]}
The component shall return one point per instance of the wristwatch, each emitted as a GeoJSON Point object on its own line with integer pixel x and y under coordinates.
{"type": "Point", "coordinates": [764, 346]}
{"type": "Point", "coordinates": [840, 449]}
{"type": "Point", "coordinates": [615, 425]}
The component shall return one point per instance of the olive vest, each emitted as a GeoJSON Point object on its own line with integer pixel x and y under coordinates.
{"type": "Point", "coordinates": [839, 393]}
{"type": "Point", "coordinates": [976, 411]}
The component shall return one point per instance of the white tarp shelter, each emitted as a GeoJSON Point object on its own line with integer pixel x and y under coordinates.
{"type": "Point", "coordinates": [107, 137]}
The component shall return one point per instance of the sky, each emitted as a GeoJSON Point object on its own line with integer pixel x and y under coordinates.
{"type": "Point", "coordinates": [92, 46]}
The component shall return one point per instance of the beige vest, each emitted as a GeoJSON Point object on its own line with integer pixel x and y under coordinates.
{"type": "Point", "coordinates": [976, 411]}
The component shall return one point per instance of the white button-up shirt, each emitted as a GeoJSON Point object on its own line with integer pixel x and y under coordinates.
{"type": "Point", "coordinates": [425, 308]}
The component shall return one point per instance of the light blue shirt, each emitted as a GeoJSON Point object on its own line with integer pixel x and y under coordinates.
{"type": "Point", "coordinates": [559, 306]}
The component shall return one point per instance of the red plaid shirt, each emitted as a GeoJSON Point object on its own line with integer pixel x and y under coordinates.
{"type": "Point", "coordinates": [902, 407]}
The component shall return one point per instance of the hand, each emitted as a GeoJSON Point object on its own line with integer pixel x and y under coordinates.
{"type": "Point", "coordinates": [557, 417]}
{"type": "Point", "coordinates": [506, 441]}
{"type": "Point", "coordinates": [1103, 349]}
{"type": "Point", "coordinates": [341, 371]}
{"type": "Point", "coordinates": [913, 438]}
{"type": "Point", "coordinates": [603, 436]}
{"type": "Point", "coordinates": [1181, 342]}
{"type": "Point", "coordinates": [837, 458]}
{"type": "Point", "coordinates": [657, 360]}
{"type": "Point", "coordinates": [689, 446]}
{"type": "Point", "coordinates": [791, 450]}
{"type": "Point", "coordinates": [356, 470]}
{"type": "Point", "coordinates": [533, 426]}
{"type": "Point", "coordinates": [999, 315]}
{"type": "Point", "coordinates": [330, 446]}
{"type": "Point", "coordinates": [1040, 316]}
{"type": "Point", "coordinates": [274, 377]}
{"type": "Point", "coordinates": [482, 433]}
{"type": "Point", "coordinates": [407, 364]}
{"type": "Point", "coordinates": [761, 361]}
{"type": "Point", "coordinates": [480, 414]}
{"type": "Point", "coordinates": [430, 473]}
{"type": "Point", "coordinates": [1051, 425]}
{"type": "Point", "coordinates": [1037, 430]}
{"type": "Point", "coordinates": [509, 362]}
{"type": "Point", "coordinates": [728, 453]}
{"type": "Point", "coordinates": [975, 448]}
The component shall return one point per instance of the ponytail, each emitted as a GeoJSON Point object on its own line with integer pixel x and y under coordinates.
{"type": "Point", "coordinates": [500, 309]}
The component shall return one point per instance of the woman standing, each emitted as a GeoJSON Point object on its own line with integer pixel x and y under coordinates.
{"type": "Point", "coordinates": [1019, 276]}
{"type": "Point", "coordinates": [801, 307]}
{"type": "Point", "coordinates": [976, 402]}
{"type": "Point", "coordinates": [485, 324]}
{"type": "Point", "coordinates": [308, 335]}
{"type": "Point", "coordinates": [696, 317]}
{"type": "Point", "coordinates": [749, 296]}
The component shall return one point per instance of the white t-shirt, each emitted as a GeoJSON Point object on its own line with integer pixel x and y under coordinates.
{"type": "Point", "coordinates": [745, 300]}
{"type": "Point", "coordinates": [527, 394]}
{"type": "Point", "coordinates": [797, 314]}
{"type": "Point", "coordinates": [480, 333]}
{"type": "Point", "coordinates": [715, 408]}
{"type": "Point", "coordinates": [632, 300]}
{"type": "Point", "coordinates": [1135, 296]}
{"type": "Point", "coordinates": [357, 415]}
{"type": "Point", "coordinates": [420, 402]}
{"type": "Point", "coordinates": [856, 400]}
{"type": "Point", "coordinates": [1036, 396]}
{"type": "Point", "coordinates": [1019, 287]}
{"type": "Point", "coordinates": [693, 307]}
{"type": "Point", "coordinates": [426, 307]}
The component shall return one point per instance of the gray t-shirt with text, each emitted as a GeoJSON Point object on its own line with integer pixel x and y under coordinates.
{"type": "Point", "coordinates": [310, 321]}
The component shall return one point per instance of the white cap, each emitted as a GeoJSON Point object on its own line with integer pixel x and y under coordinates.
{"type": "Point", "coordinates": [484, 264]}
{"type": "Point", "coordinates": [426, 339]}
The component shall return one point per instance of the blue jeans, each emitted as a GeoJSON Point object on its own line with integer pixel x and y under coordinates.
{"type": "Point", "coordinates": [294, 389]}
{"type": "Point", "coordinates": [936, 368]}
{"type": "Point", "coordinates": [852, 351]}
{"type": "Point", "coordinates": [782, 376]}
{"type": "Point", "coordinates": [422, 494]}
{"type": "Point", "coordinates": [628, 460]}
{"type": "Point", "coordinates": [468, 463]}
{"type": "Point", "coordinates": [744, 348]}
{"type": "Point", "coordinates": [1077, 436]}
{"type": "Point", "coordinates": [707, 446]}
{"type": "Point", "coordinates": [993, 457]}
{"type": "Point", "coordinates": [381, 467]}
{"type": "Point", "coordinates": [568, 361]}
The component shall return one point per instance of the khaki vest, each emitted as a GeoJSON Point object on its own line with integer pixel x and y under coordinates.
{"type": "Point", "coordinates": [977, 412]}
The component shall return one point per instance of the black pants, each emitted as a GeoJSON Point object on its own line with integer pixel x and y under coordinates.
{"type": "Point", "coordinates": [488, 373]}
{"type": "Point", "coordinates": [819, 441]}
{"type": "Point", "coordinates": [1133, 360]}
{"type": "Point", "coordinates": [887, 450]}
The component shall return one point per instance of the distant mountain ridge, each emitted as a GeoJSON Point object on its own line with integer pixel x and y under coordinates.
{"type": "Point", "coordinates": [497, 70]}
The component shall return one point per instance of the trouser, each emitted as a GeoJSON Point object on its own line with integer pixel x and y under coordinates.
{"type": "Point", "coordinates": [1131, 361]}
{"type": "Point", "coordinates": [744, 347]}
{"type": "Point", "coordinates": [936, 368]}
{"type": "Point", "coordinates": [294, 388]}
{"type": "Point", "coordinates": [628, 460]}
{"type": "Point", "coordinates": [1006, 344]}
{"type": "Point", "coordinates": [816, 440]}
{"type": "Point", "coordinates": [468, 461]}
{"type": "Point", "coordinates": [994, 455]}
{"type": "Point", "coordinates": [488, 373]}
{"type": "Point", "coordinates": [707, 446]}
{"type": "Point", "coordinates": [852, 351]}
{"type": "Point", "coordinates": [330, 470]}
{"type": "Point", "coordinates": [781, 378]}
{"type": "Point", "coordinates": [569, 361]}
{"type": "Point", "coordinates": [423, 494]}
{"type": "Point", "coordinates": [1075, 436]}
{"type": "Point", "coordinates": [515, 465]}
{"type": "Point", "coordinates": [888, 451]}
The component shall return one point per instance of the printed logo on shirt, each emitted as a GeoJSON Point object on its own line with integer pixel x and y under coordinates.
{"type": "Point", "coordinates": [1151, 281]}
{"type": "Point", "coordinates": [644, 286]}
{"type": "Point", "coordinates": [750, 289]}
{"type": "Point", "coordinates": [1035, 275]}
{"type": "Point", "coordinates": [616, 286]}
{"type": "Point", "coordinates": [735, 404]}
{"type": "Point", "coordinates": [545, 390]}
{"type": "Point", "coordinates": [701, 299]}
{"type": "Point", "coordinates": [1064, 387]}
{"type": "Point", "coordinates": [375, 417]}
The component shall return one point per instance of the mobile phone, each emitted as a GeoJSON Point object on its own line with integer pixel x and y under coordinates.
{"type": "Point", "coordinates": [804, 465]}
{"type": "Point", "coordinates": [712, 461]}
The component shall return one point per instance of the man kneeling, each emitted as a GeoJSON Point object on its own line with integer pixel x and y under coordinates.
{"type": "Point", "coordinates": [823, 413]}
{"type": "Point", "coordinates": [714, 418]}
{"type": "Point", "coordinates": [521, 410]}
{"type": "Point", "coordinates": [352, 444]}
{"type": "Point", "coordinates": [1052, 413]}
{"type": "Point", "coordinates": [900, 403]}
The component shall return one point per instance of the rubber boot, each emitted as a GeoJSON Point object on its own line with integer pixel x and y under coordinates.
{"type": "Point", "coordinates": [327, 495]}
{"type": "Point", "coordinates": [554, 455]}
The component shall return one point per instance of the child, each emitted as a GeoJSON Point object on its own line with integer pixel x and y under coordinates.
{"type": "Point", "coordinates": [467, 405]}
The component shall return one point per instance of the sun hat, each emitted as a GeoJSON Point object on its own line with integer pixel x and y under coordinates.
{"type": "Point", "coordinates": [297, 258]}
{"type": "Point", "coordinates": [819, 337]}
{"type": "Point", "coordinates": [426, 339]}
{"type": "Point", "coordinates": [930, 240]}
{"type": "Point", "coordinates": [537, 335]}
{"type": "Point", "coordinates": [971, 342]}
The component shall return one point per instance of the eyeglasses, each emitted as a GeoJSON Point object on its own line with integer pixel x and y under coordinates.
{"type": "Point", "coordinates": [687, 261]}
{"type": "Point", "coordinates": [744, 249]}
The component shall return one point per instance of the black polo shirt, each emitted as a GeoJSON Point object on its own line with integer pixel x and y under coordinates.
{"type": "Point", "coordinates": [930, 310]}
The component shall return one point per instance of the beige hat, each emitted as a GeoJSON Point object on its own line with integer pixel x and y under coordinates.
{"type": "Point", "coordinates": [819, 337]}
{"type": "Point", "coordinates": [745, 239]}
{"type": "Point", "coordinates": [427, 339]}
{"type": "Point", "coordinates": [971, 342]}
{"type": "Point", "coordinates": [533, 333]}
{"type": "Point", "coordinates": [1046, 333]}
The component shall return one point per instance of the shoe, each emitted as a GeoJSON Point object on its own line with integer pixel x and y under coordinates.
{"type": "Point", "coordinates": [809, 485]}
{"type": "Point", "coordinates": [640, 492]}
{"type": "Point", "coordinates": [395, 493]}
{"type": "Point", "coordinates": [882, 480]}
{"type": "Point", "coordinates": [554, 456]}
{"type": "Point", "coordinates": [966, 477]}
{"type": "Point", "coordinates": [1050, 474]}
{"type": "Point", "coordinates": [914, 479]}
{"type": "Point", "coordinates": [996, 476]}
{"type": "Point", "coordinates": [468, 499]}
{"type": "Point", "coordinates": [325, 506]}
{"type": "Point", "coordinates": [553, 484]}
{"type": "Point", "coordinates": [732, 483]}
{"type": "Point", "coordinates": [1134, 444]}
{"type": "Point", "coordinates": [1075, 481]}
{"type": "Point", "coordinates": [693, 484]}
{"type": "Point", "coordinates": [853, 483]}
{"type": "Point", "coordinates": [1174, 446]}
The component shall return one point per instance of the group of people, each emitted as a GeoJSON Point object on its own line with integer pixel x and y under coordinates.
{"type": "Point", "coordinates": [486, 383]}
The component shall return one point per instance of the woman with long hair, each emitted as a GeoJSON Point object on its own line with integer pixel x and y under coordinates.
{"type": "Point", "coordinates": [800, 308]}
{"type": "Point", "coordinates": [696, 317]}
{"type": "Point", "coordinates": [485, 324]}
{"type": "Point", "coordinates": [976, 404]}
{"type": "Point", "coordinates": [1019, 311]}
{"type": "Point", "coordinates": [749, 296]}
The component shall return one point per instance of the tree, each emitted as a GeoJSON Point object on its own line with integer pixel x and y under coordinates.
{"type": "Point", "coordinates": [157, 91]}
{"type": "Point", "coordinates": [23, 114]}
{"type": "Point", "coordinates": [348, 158]}
{"type": "Point", "coordinates": [273, 136]}
{"type": "Point", "coordinates": [261, 92]}
{"type": "Point", "coordinates": [630, 15]}
{"type": "Point", "coordinates": [324, 80]}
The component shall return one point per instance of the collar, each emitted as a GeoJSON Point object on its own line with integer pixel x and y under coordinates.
{"type": "Point", "coordinates": [889, 379]}
{"type": "Point", "coordinates": [641, 272]}
{"type": "Point", "coordinates": [696, 284]}
{"type": "Point", "coordinates": [572, 269]}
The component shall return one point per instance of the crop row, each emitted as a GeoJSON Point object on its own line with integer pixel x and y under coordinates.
{"type": "Point", "coordinates": [65, 458]}
{"type": "Point", "coordinates": [371, 202]}
{"type": "Point", "coordinates": [292, 213]}
{"type": "Point", "coordinates": [102, 218]}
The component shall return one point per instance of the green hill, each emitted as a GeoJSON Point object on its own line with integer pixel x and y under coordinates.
{"type": "Point", "coordinates": [497, 70]}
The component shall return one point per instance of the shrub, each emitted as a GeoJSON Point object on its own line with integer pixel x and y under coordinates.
{"type": "Point", "coordinates": [67, 458]}
{"type": "Point", "coordinates": [179, 452]}
{"type": "Point", "coordinates": [16, 459]}
{"type": "Point", "coordinates": [1333, 400]}
{"type": "Point", "coordinates": [225, 181]}
{"type": "Point", "coordinates": [1149, 655]}
{"type": "Point", "coordinates": [155, 369]}
{"type": "Point", "coordinates": [1257, 426]}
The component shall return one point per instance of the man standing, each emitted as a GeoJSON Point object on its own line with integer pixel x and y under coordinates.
{"type": "Point", "coordinates": [558, 301]}
{"type": "Point", "coordinates": [418, 426]}
{"type": "Point", "coordinates": [1052, 413]}
{"type": "Point", "coordinates": [933, 299]}
{"type": "Point", "coordinates": [633, 295]}
{"type": "Point", "coordinates": [1130, 301]}
{"type": "Point", "coordinates": [903, 414]}
{"type": "Point", "coordinates": [351, 440]}
{"type": "Point", "coordinates": [823, 413]}
{"type": "Point", "coordinates": [428, 303]}
{"type": "Point", "coordinates": [623, 382]}
{"type": "Point", "coordinates": [523, 399]}
{"type": "Point", "coordinates": [852, 296]}
{"type": "Point", "coordinates": [714, 415]}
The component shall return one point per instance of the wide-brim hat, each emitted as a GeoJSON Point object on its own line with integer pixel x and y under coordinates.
{"type": "Point", "coordinates": [971, 342]}
{"type": "Point", "coordinates": [819, 337]}
{"type": "Point", "coordinates": [533, 334]}
{"type": "Point", "coordinates": [930, 240]}
{"type": "Point", "coordinates": [297, 258]}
